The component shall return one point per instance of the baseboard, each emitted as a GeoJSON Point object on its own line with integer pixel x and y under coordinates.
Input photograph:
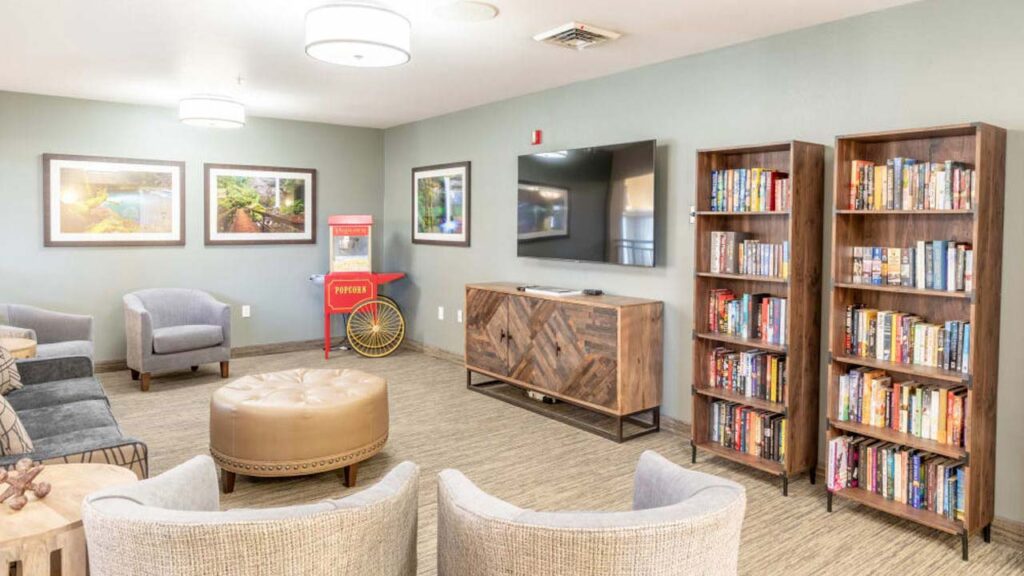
{"type": "Point", "coordinates": [1004, 530]}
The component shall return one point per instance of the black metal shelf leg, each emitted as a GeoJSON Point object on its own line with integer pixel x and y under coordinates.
{"type": "Point", "coordinates": [963, 544]}
{"type": "Point", "coordinates": [829, 505]}
{"type": "Point", "coordinates": [693, 452]}
{"type": "Point", "coordinates": [986, 533]}
{"type": "Point", "coordinates": [785, 485]}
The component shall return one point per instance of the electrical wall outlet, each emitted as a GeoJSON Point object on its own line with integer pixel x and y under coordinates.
{"type": "Point", "coordinates": [246, 311]}
{"type": "Point", "coordinates": [440, 312]}
{"type": "Point", "coordinates": [458, 316]}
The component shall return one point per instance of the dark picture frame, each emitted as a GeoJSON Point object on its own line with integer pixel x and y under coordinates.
{"type": "Point", "coordinates": [435, 171]}
{"type": "Point", "coordinates": [212, 216]}
{"type": "Point", "coordinates": [118, 239]}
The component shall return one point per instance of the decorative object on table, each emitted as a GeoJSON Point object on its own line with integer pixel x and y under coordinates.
{"type": "Point", "coordinates": [51, 528]}
{"type": "Point", "coordinates": [319, 420]}
{"type": "Point", "coordinates": [543, 211]}
{"type": "Point", "coordinates": [10, 378]}
{"type": "Point", "coordinates": [440, 204]}
{"type": "Point", "coordinates": [20, 481]}
{"type": "Point", "coordinates": [97, 201]}
{"type": "Point", "coordinates": [259, 204]}
{"type": "Point", "coordinates": [153, 527]}
{"type": "Point", "coordinates": [57, 334]}
{"type": "Point", "coordinates": [682, 522]}
{"type": "Point", "coordinates": [174, 329]}
{"type": "Point", "coordinates": [14, 439]}
{"type": "Point", "coordinates": [375, 326]}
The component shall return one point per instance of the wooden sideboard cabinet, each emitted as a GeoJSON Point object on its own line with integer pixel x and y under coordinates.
{"type": "Point", "coordinates": [600, 353]}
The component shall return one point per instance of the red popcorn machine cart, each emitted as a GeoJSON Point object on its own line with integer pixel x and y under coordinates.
{"type": "Point", "coordinates": [375, 326]}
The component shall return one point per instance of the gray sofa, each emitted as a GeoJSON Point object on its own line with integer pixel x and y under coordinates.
{"type": "Point", "coordinates": [683, 522]}
{"type": "Point", "coordinates": [174, 329]}
{"type": "Point", "coordinates": [56, 333]}
{"type": "Point", "coordinates": [172, 525]}
{"type": "Point", "coordinates": [66, 413]}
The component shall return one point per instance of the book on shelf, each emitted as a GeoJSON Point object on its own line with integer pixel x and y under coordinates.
{"type": "Point", "coordinates": [871, 396]}
{"type": "Point", "coordinates": [752, 373]}
{"type": "Point", "coordinates": [750, 316]}
{"type": "Point", "coordinates": [906, 338]}
{"type": "Point", "coordinates": [917, 478]}
{"type": "Point", "coordinates": [944, 265]}
{"type": "Point", "coordinates": [750, 190]}
{"type": "Point", "coordinates": [737, 253]}
{"type": "Point", "coordinates": [909, 184]}
{"type": "Point", "coordinates": [747, 430]}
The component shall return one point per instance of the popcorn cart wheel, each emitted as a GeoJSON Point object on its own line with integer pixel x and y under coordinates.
{"type": "Point", "coordinates": [375, 328]}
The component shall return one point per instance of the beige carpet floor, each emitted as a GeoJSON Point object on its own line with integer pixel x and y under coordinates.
{"type": "Point", "coordinates": [538, 463]}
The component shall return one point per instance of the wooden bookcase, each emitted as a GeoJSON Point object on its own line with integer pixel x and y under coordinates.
{"type": "Point", "coordinates": [983, 147]}
{"type": "Point", "coordinates": [801, 226]}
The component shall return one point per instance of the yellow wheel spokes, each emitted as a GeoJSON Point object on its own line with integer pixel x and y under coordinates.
{"type": "Point", "coordinates": [375, 328]}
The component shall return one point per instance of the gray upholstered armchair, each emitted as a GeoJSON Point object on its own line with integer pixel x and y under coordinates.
{"type": "Point", "coordinates": [56, 334]}
{"type": "Point", "coordinates": [171, 525]}
{"type": "Point", "coordinates": [174, 329]}
{"type": "Point", "coordinates": [682, 522]}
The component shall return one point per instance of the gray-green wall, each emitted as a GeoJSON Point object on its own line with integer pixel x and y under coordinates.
{"type": "Point", "coordinates": [272, 279]}
{"type": "Point", "coordinates": [931, 63]}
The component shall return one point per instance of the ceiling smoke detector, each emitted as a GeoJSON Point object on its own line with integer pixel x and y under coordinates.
{"type": "Point", "coordinates": [577, 36]}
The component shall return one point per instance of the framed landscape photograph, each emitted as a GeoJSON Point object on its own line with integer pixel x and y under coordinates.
{"type": "Point", "coordinates": [98, 201]}
{"type": "Point", "coordinates": [259, 205]}
{"type": "Point", "coordinates": [440, 204]}
{"type": "Point", "coordinates": [543, 211]}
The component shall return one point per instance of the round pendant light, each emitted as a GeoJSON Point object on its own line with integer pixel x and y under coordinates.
{"type": "Point", "coordinates": [211, 112]}
{"type": "Point", "coordinates": [357, 35]}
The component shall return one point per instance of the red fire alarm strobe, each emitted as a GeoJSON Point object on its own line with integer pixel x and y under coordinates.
{"type": "Point", "coordinates": [537, 137]}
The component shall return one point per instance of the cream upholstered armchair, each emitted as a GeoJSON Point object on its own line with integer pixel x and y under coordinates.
{"type": "Point", "coordinates": [174, 329]}
{"type": "Point", "coordinates": [682, 522]}
{"type": "Point", "coordinates": [171, 525]}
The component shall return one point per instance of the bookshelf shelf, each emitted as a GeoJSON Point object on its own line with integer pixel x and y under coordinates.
{"type": "Point", "coordinates": [952, 377]}
{"type": "Point", "coordinates": [983, 148]}
{"type": "Point", "coordinates": [732, 213]}
{"type": "Point", "coordinates": [762, 464]}
{"type": "Point", "coordinates": [801, 226]}
{"type": "Point", "coordinates": [743, 277]}
{"type": "Point", "coordinates": [738, 341]}
{"type": "Point", "coordinates": [903, 290]}
{"type": "Point", "coordinates": [776, 407]}
{"type": "Point", "coordinates": [889, 435]}
{"type": "Point", "coordinates": [906, 212]}
{"type": "Point", "coordinates": [899, 509]}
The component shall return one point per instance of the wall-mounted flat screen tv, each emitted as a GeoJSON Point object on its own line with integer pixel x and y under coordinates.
{"type": "Point", "coordinates": [589, 204]}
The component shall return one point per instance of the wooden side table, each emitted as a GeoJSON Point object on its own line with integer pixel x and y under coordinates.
{"type": "Point", "coordinates": [19, 347]}
{"type": "Point", "coordinates": [54, 524]}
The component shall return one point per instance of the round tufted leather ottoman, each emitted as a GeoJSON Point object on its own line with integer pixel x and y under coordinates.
{"type": "Point", "coordinates": [298, 422]}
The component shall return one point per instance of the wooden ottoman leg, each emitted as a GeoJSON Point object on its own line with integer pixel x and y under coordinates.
{"type": "Point", "coordinates": [227, 484]}
{"type": "Point", "coordinates": [348, 474]}
{"type": "Point", "coordinates": [224, 369]}
{"type": "Point", "coordinates": [144, 385]}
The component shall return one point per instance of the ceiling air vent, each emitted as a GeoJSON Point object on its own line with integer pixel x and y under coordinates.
{"type": "Point", "coordinates": [576, 35]}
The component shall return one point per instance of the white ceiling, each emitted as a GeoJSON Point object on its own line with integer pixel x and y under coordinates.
{"type": "Point", "coordinates": [157, 51]}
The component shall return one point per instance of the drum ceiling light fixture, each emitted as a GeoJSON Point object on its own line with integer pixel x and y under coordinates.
{"type": "Point", "coordinates": [359, 35]}
{"type": "Point", "coordinates": [211, 112]}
